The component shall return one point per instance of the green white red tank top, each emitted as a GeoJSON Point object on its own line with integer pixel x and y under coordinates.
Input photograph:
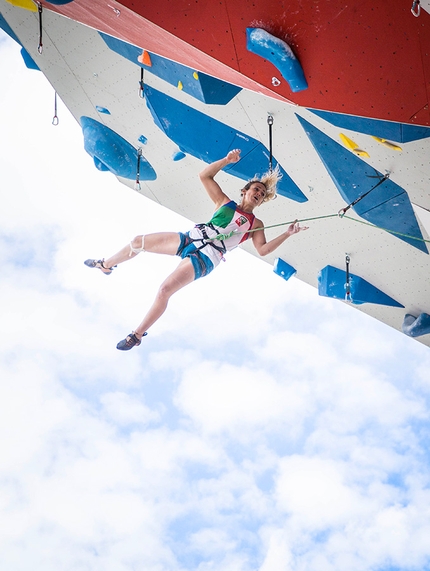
{"type": "Point", "coordinates": [230, 217]}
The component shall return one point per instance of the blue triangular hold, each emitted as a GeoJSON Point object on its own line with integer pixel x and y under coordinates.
{"type": "Point", "coordinates": [398, 132]}
{"type": "Point", "coordinates": [387, 206]}
{"type": "Point", "coordinates": [207, 139]}
{"type": "Point", "coordinates": [332, 283]}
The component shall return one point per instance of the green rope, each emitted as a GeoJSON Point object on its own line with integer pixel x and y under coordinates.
{"type": "Point", "coordinates": [234, 232]}
{"type": "Point", "coordinates": [387, 230]}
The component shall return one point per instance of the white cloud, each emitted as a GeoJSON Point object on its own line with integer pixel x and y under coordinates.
{"type": "Point", "coordinates": [220, 397]}
{"type": "Point", "coordinates": [173, 359]}
{"type": "Point", "coordinates": [278, 555]}
{"type": "Point", "coordinates": [298, 352]}
{"type": "Point", "coordinates": [209, 541]}
{"type": "Point", "coordinates": [123, 409]}
{"type": "Point", "coordinates": [313, 491]}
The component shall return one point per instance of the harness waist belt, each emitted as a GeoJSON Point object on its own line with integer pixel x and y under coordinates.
{"type": "Point", "coordinates": [220, 247]}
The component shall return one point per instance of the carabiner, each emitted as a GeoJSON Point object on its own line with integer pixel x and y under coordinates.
{"type": "Point", "coordinates": [55, 119]}
{"type": "Point", "coordinates": [416, 8]}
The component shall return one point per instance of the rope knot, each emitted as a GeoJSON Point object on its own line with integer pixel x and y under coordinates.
{"type": "Point", "coordinates": [223, 237]}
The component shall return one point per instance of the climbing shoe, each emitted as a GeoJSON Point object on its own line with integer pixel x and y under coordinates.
{"type": "Point", "coordinates": [99, 264]}
{"type": "Point", "coordinates": [129, 342]}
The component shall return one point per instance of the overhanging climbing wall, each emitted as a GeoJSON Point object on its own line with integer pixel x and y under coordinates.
{"type": "Point", "coordinates": [158, 96]}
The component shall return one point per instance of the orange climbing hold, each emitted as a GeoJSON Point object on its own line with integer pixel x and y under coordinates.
{"type": "Point", "coordinates": [145, 58]}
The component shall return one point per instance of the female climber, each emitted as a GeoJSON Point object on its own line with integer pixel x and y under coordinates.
{"type": "Point", "coordinates": [200, 251]}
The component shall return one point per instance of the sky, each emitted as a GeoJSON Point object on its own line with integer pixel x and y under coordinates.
{"type": "Point", "coordinates": [259, 427]}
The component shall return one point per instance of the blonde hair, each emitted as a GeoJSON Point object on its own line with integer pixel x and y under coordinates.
{"type": "Point", "coordinates": [270, 180]}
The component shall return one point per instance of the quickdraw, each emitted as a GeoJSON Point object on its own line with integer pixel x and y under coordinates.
{"type": "Point", "coordinates": [40, 46]}
{"type": "Point", "coordinates": [141, 85]}
{"type": "Point", "coordinates": [348, 296]}
{"type": "Point", "coordinates": [270, 123]}
{"type": "Point", "coordinates": [343, 211]}
{"type": "Point", "coordinates": [139, 158]}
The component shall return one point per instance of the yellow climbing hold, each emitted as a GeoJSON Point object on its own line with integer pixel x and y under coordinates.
{"type": "Point", "coordinates": [180, 86]}
{"type": "Point", "coordinates": [350, 144]}
{"type": "Point", "coordinates": [196, 75]}
{"type": "Point", "coordinates": [387, 144]}
{"type": "Point", "coordinates": [26, 4]}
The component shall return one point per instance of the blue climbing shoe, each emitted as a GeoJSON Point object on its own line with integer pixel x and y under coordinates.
{"type": "Point", "coordinates": [99, 264]}
{"type": "Point", "coordinates": [130, 341]}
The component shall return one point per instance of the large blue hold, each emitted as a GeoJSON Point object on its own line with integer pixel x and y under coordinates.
{"type": "Point", "coordinates": [111, 152]}
{"type": "Point", "coordinates": [279, 53]}
{"type": "Point", "coordinates": [332, 283]}
{"type": "Point", "coordinates": [201, 86]}
{"type": "Point", "coordinates": [207, 139]}
{"type": "Point", "coordinates": [398, 132]}
{"type": "Point", "coordinates": [416, 326]}
{"type": "Point", "coordinates": [387, 206]}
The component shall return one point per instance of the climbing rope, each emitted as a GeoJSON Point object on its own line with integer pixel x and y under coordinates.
{"type": "Point", "coordinates": [401, 234]}
{"type": "Point", "coordinates": [235, 232]}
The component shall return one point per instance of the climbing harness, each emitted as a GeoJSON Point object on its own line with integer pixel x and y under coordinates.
{"type": "Point", "coordinates": [40, 46]}
{"type": "Point", "coordinates": [343, 211]}
{"type": "Point", "coordinates": [270, 123]}
{"type": "Point", "coordinates": [348, 296]}
{"type": "Point", "coordinates": [416, 8]}
{"type": "Point", "coordinates": [55, 119]}
{"type": "Point", "coordinates": [139, 158]}
{"type": "Point", "coordinates": [208, 241]}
